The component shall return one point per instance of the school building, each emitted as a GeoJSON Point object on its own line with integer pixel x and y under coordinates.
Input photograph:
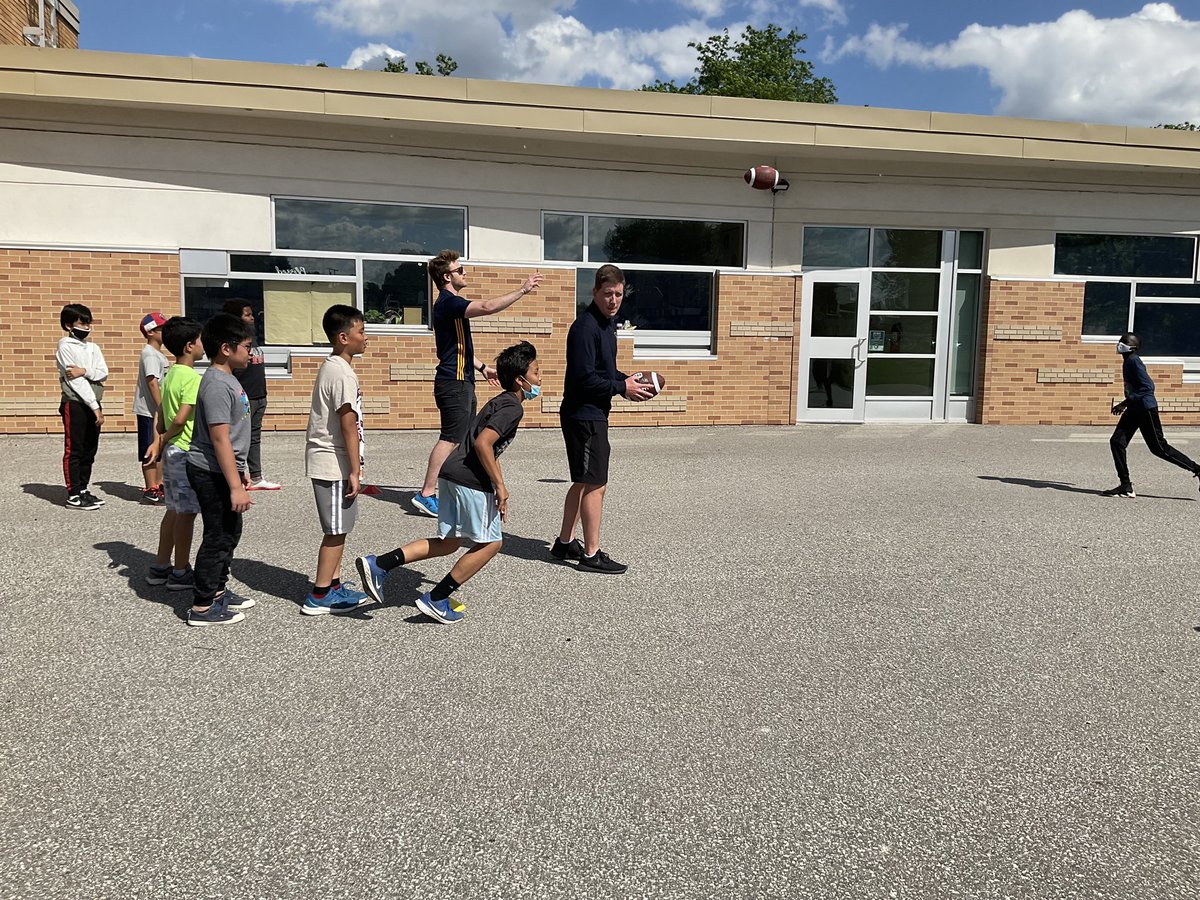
{"type": "Point", "coordinates": [919, 267]}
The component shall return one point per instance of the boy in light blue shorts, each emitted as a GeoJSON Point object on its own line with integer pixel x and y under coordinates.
{"type": "Point", "coordinates": [473, 500]}
{"type": "Point", "coordinates": [175, 420]}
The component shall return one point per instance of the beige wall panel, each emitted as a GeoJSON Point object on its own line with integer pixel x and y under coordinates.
{"type": "Point", "coordinates": [60, 215]}
{"type": "Point", "coordinates": [996, 125]}
{"type": "Point", "coordinates": [785, 133]}
{"type": "Point", "coordinates": [819, 113]}
{"type": "Point", "coordinates": [971, 145]}
{"type": "Point", "coordinates": [1020, 253]}
{"type": "Point", "coordinates": [585, 98]}
{"type": "Point", "coordinates": [17, 82]}
{"type": "Point", "coordinates": [179, 94]}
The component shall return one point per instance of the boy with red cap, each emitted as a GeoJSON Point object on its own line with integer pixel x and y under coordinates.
{"type": "Point", "coordinates": [147, 400]}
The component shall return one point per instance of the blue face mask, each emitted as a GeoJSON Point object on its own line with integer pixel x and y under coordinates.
{"type": "Point", "coordinates": [535, 391]}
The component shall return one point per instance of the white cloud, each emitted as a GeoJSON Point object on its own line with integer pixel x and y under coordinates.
{"type": "Point", "coordinates": [1142, 69]}
{"type": "Point", "coordinates": [372, 56]}
{"type": "Point", "coordinates": [521, 40]}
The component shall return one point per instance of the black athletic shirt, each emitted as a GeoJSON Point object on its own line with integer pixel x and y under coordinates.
{"type": "Point", "coordinates": [452, 335]}
{"type": "Point", "coordinates": [502, 414]}
{"type": "Point", "coordinates": [1139, 388]}
{"type": "Point", "coordinates": [592, 378]}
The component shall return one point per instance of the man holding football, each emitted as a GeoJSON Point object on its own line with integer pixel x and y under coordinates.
{"type": "Point", "coordinates": [592, 380]}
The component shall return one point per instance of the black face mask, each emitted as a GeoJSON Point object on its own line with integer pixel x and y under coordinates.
{"type": "Point", "coordinates": [79, 334]}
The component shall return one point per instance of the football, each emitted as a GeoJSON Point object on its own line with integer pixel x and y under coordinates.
{"type": "Point", "coordinates": [762, 178]}
{"type": "Point", "coordinates": [654, 380]}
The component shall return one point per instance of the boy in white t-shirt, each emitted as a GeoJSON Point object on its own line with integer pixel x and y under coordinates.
{"type": "Point", "coordinates": [147, 401]}
{"type": "Point", "coordinates": [333, 458]}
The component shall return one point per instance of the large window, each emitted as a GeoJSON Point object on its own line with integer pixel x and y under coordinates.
{"type": "Point", "coordinates": [670, 268]}
{"type": "Point", "coordinates": [1165, 313]}
{"type": "Point", "coordinates": [376, 228]}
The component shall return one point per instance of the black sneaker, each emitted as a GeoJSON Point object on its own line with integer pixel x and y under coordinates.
{"type": "Point", "coordinates": [1121, 490]}
{"type": "Point", "coordinates": [569, 552]}
{"type": "Point", "coordinates": [92, 497]}
{"type": "Point", "coordinates": [601, 562]}
{"type": "Point", "coordinates": [82, 501]}
{"type": "Point", "coordinates": [151, 496]}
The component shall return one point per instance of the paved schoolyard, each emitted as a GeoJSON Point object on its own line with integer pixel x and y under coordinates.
{"type": "Point", "coordinates": [883, 661]}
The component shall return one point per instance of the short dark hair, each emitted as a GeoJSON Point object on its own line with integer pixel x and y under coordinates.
{"type": "Point", "coordinates": [72, 313]}
{"type": "Point", "coordinates": [608, 274]}
{"type": "Point", "coordinates": [1131, 340]}
{"type": "Point", "coordinates": [178, 332]}
{"type": "Point", "coordinates": [224, 329]}
{"type": "Point", "coordinates": [339, 318]}
{"type": "Point", "coordinates": [235, 305]}
{"type": "Point", "coordinates": [513, 363]}
{"type": "Point", "coordinates": [440, 266]}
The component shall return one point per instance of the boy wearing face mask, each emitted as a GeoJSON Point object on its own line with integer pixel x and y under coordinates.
{"type": "Point", "coordinates": [474, 497]}
{"type": "Point", "coordinates": [1139, 412]}
{"type": "Point", "coordinates": [82, 372]}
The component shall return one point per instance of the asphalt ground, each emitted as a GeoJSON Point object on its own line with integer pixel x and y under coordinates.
{"type": "Point", "coordinates": [859, 662]}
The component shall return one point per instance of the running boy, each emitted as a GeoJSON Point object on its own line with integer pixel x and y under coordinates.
{"type": "Point", "coordinates": [1139, 412]}
{"type": "Point", "coordinates": [175, 422]}
{"type": "Point", "coordinates": [474, 496]}
{"type": "Point", "coordinates": [81, 374]}
{"type": "Point", "coordinates": [216, 469]}
{"type": "Point", "coordinates": [333, 457]}
{"type": "Point", "coordinates": [253, 379]}
{"type": "Point", "coordinates": [147, 402]}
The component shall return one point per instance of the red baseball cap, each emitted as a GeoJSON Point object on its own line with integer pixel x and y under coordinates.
{"type": "Point", "coordinates": [152, 322]}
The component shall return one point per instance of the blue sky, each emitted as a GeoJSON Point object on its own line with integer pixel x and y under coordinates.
{"type": "Point", "coordinates": [1095, 60]}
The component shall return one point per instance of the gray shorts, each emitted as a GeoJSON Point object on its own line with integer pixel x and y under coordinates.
{"type": "Point", "coordinates": [181, 499]}
{"type": "Point", "coordinates": [337, 514]}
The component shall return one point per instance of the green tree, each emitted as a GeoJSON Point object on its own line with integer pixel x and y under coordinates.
{"type": "Point", "coordinates": [445, 66]}
{"type": "Point", "coordinates": [1181, 126]}
{"type": "Point", "coordinates": [763, 63]}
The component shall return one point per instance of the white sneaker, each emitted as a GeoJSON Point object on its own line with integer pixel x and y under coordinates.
{"type": "Point", "coordinates": [263, 485]}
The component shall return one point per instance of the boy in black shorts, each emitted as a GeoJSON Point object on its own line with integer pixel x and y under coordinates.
{"type": "Point", "coordinates": [474, 496]}
{"type": "Point", "coordinates": [592, 381]}
{"type": "Point", "coordinates": [454, 380]}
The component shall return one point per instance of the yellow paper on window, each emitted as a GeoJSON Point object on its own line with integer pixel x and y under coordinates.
{"type": "Point", "coordinates": [292, 310]}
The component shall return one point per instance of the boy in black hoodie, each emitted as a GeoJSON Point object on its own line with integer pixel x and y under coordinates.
{"type": "Point", "coordinates": [1139, 412]}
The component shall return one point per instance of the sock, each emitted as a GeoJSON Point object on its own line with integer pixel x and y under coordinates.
{"type": "Point", "coordinates": [390, 561]}
{"type": "Point", "coordinates": [335, 584]}
{"type": "Point", "coordinates": [320, 592]}
{"type": "Point", "coordinates": [444, 589]}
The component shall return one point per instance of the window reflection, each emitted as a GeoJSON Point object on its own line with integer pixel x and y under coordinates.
{"type": "Point", "coordinates": [367, 227]}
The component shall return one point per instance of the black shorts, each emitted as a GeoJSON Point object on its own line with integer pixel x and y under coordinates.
{"type": "Point", "coordinates": [587, 450]}
{"type": "Point", "coordinates": [146, 433]}
{"type": "Point", "coordinates": [456, 402]}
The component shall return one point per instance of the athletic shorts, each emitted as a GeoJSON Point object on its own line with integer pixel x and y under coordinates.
{"type": "Point", "coordinates": [181, 499]}
{"type": "Point", "coordinates": [146, 433]}
{"type": "Point", "coordinates": [456, 402]}
{"type": "Point", "coordinates": [466, 513]}
{"type": "Point", "coordinates": [337, 514]}
{"type": "Point", "coordinates": [587, 450]}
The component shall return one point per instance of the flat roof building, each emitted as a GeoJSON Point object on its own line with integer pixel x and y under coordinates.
{"type": "Point", "coordinates": [920, 267]}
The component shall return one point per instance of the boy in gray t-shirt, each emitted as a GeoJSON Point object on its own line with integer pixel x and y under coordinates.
{"type": "Point", "coordinates": [216, 470]}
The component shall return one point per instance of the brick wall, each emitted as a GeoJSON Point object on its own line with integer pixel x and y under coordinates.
{"type": "Point", "coordinates": [119, 288]}
{"type": "Point", "coordinates": [752, 381]}
{"type": "Point", "coordinates": [15, 15]}
{"type": "Point", "coordinates": [1036, 369]}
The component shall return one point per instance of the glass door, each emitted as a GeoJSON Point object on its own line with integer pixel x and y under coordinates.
{"type": "Point", "coordinates": [833, 346]}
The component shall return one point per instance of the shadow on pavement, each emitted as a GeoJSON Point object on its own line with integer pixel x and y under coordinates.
{"type": "Point", "coordinates": [133, 563]}
{"type": "Point", "coordinates": [121, 490]}
{"type": "Point", "coordinates": [51, 493]}
{"type": "Point", "coordinates": [1066, 486]}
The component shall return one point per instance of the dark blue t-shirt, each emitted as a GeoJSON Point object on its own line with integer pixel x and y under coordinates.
{"type": "Point", "coordinates": [1139, 387]}
{"type": "Point", "coordinates": [592, 379]}
{"type": "Point", "coordinates": [452, 336]}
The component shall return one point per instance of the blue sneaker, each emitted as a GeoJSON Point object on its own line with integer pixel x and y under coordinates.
{"type": "Point", "coordinates": [351, 594]}
{"type": "Point", "coordinates": [426, 505]}
{"type": "Point", "coordinates": [236, 602]}
{"type": "Point", "coordinates": [438, 609]}
{"type": "Point", "coordinates": [158, 574]}
{"type": "Point", "coordinates": [333, 602]}
{"type": "Point", "coordinates": [182, 582]}
{"type": "Point", "coordinates": [372, 577]}
{"type": "Point", "coordinates": [216, 614]}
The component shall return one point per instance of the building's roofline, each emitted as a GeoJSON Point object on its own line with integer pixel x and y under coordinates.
{"type": "Point", "coordinates": [566, 113]}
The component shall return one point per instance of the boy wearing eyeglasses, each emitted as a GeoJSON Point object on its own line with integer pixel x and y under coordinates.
{"type": "Point", "coordinates": [454, 380]}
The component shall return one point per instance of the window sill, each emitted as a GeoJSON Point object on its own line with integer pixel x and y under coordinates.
{"type": "Point", "coordinates": [378, 328]}
{"type": "Point", "coordinates": [653, 353]}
